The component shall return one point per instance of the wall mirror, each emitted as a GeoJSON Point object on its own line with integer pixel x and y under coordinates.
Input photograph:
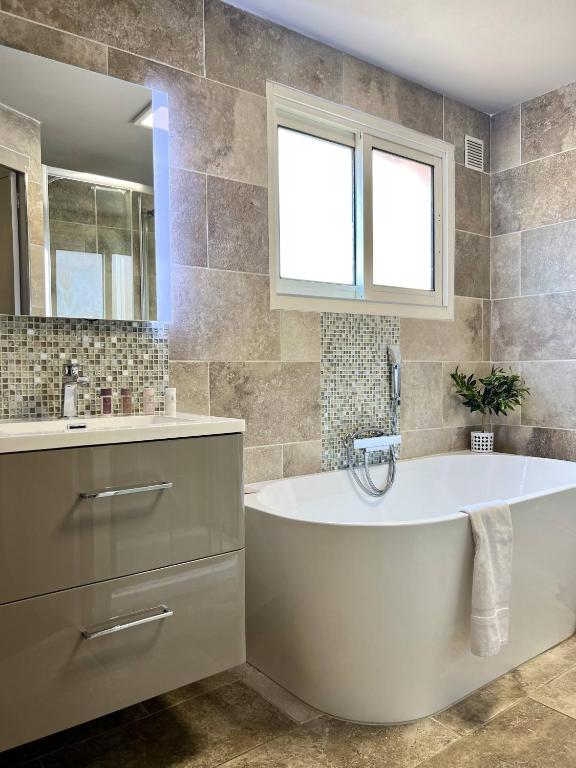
{"type": "Point", "coordinates": [84, 188]}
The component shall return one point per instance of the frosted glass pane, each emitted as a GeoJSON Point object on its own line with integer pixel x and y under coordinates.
{"type": "Point", "coordinates": [122, 287]}
{"type": "Point", "coordinates": [403, 222]}
{"type": "Point", "coordinates": [79, 284]}
{"type": "Point", "coordinates": [316, 199]}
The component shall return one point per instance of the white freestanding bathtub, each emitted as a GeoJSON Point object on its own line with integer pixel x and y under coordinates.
{"type": "Point", "coordinates": [361, 607]}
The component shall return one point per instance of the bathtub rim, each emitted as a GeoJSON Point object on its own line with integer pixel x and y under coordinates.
{"type": "Point", "coordinates": [250, 497]}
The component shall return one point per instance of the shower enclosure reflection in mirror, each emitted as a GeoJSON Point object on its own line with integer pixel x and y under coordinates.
{"type": "Point", "coordinates": [84, 187]}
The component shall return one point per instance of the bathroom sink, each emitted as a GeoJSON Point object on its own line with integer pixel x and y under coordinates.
{"type": "Point", "coordinates": [92, 423]}
{"type": "Point", "coordinates": [60, 433]}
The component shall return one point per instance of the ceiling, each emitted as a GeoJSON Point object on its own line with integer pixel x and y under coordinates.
{"type": "Point", "coordinates": [86, 118]}
{"type": "Point", "coordinates": [491, 54]}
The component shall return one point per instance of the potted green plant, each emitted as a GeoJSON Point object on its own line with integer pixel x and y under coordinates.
{"type": "Point", "coordinates": [497, 393]}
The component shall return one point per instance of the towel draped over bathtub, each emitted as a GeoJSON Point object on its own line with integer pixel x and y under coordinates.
{"type": "Point", "coordinates": [493, 539]}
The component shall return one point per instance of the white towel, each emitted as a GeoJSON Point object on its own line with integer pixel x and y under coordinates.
{"type": "Point", "coordinates": [492, 530]}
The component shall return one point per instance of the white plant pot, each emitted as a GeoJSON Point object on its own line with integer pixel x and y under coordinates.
{"type": "Point", "coordinates": [482, 442]}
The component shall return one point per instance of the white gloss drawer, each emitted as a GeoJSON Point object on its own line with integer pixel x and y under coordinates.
{"type": "Point", "coordinates": [77, 516]}
{"type": "Point", "coordinates": [78, 654]}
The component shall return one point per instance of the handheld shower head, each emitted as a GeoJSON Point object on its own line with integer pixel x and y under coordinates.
{"type": "Point", "coordinates": [394, 355]}
{"type": "Point", "coordinates": [395, 360]}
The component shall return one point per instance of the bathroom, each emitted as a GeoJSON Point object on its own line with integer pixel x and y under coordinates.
{"type": "Point", "coordinates": [297, 663]}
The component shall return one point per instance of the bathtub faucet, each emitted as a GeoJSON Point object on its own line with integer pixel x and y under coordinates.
{"type": "Point", "coordinates": [375, 439]}
{"type": "Point", "coordinates": [376, 442]}
{"type": "Point", "coordinates": [370, 440]}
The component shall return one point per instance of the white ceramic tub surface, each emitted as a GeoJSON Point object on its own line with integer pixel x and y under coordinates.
{"type": "Point", "coordinates": [361, 607]}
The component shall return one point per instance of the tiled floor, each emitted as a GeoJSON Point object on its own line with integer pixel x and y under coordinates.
{"type": "Point", "coordinates": [240, 719]}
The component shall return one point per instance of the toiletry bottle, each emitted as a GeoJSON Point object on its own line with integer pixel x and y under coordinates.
{"type": "Point", "coordinates": [126, 396]}
{"type": "Point", "coordinates": [170, 401]}
{"type": "Point", "coordinates": [148, 397]}
{"type": "Point", "coordinates": [106, 401]}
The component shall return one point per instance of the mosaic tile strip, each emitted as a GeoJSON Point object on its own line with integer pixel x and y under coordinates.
{"type": "Point", "coordinates": [355, 379]}
{"type": "Point", "coordinates": [111, 354]}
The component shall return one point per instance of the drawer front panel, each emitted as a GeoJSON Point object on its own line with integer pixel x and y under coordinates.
{"type": "Point", "coordinates": [54, 677]}
{"type": "Point", "coordinates": [56, 534]}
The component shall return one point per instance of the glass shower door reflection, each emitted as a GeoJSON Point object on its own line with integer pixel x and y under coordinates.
{"type": "Point", "coordinates": [97, 235]}
{"type": "Point", "coordinates": [122, 286]}
{"type": "Point", "coordinates": [79, 284]}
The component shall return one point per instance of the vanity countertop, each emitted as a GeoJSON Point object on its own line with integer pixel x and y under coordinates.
{"type": "Point", "coordinates": [19, 436]}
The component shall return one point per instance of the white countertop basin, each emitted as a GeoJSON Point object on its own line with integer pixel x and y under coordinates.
{"type": "Point", "coordinates": [16, 436]}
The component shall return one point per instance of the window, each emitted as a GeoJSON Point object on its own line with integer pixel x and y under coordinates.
{"type": "Point", "coordinates": [402, 221]}
{"type": "Point", "coordinates": [361, 211]}
{"type": "Point", "coordinates": [316, 208]}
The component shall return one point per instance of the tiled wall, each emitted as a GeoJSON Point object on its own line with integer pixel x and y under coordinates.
{"type": "Point", "coordinates": [355, 379]}
{"type": "Point", "coordinates": [33, 352]}
{"type": "Point", "coordinates": [534, 267]}
{"type": "Point", "coordinates": [229, 353]}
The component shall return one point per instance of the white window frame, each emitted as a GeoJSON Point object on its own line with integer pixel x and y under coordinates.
{"type": "Point", "coordinates": [290, 108]}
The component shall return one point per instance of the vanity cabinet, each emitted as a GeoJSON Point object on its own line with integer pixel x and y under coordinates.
{"type": "Point", "coordinates": [59, 533]}
{"type": "Point", "coordinates": [55, 676]}
{"type": "Point", "coordinates": [107, 600]}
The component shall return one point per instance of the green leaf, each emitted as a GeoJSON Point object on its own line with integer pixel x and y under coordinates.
{"type": "Point", "coordinates": [497, 393]}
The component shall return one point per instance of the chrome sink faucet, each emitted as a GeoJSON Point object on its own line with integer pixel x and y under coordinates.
{"type": "Point", "coordinates": [71, 380]}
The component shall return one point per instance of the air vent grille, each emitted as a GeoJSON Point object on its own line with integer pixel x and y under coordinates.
{"type": "Point", "coordinates": [474, 153]}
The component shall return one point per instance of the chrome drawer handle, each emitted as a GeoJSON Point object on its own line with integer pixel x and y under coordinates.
{"type": "Point", "coordinates": [107, 492]}
{"type": "Point", "coordinates": [120, 623]}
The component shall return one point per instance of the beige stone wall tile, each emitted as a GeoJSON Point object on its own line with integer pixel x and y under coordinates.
{"type": "Point", "coordinates": [421, 396]}
{"type": "Point", "coordinates": [220, 315]}
{"type": "Point", "coordinates": [386, 95]}
{"type": "Point", "coordinates": [534, 328]}
{"type": "Point", "coordinates": [472, 201]}
{"type": "Point", "coordinates": [169, 31]}
{"type": "Point", "coordinates": [262, 463]}
{"type": "Point", "coordinates": [534, 194]}
{"type": "Point", "coordinates": [302, 458]}
{"type": "Point", "coordinates": [300, 336]}
{"type": "Point", "coordinates": [472, 265]}
{"type": "Point", "coordinates": [43, 41]}
{"type": "Point", "coordinates": [192, 386]}
{"type": "Point", "coordinates": [444, 340]}
{"type": "Point", "coordinates": [427, 442]}
{"type": "Point", "coordinates": [549, 259]}
{"type": "Point", "coordinates": [188, 217]}
{"type": "Point", "coordinates": [237, 226]}
{"type": "Point", "coordinates": [506, 139]}
{"type": "Point", "coordinates": [280, 401]}
{"type": "Point", "coordinates": [552, 399]}
{"type": "Point", "coordinates": [549, 123]}
{"type": "Point", "coordinates": [245, 50]}
{"type": "Point", "coordinates": [505, 256]}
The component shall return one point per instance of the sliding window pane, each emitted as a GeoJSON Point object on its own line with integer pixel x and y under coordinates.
{"type": "Point", "coordinates": [316, 205]}
{"type": "Point", "coordinates": [403, 222]}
